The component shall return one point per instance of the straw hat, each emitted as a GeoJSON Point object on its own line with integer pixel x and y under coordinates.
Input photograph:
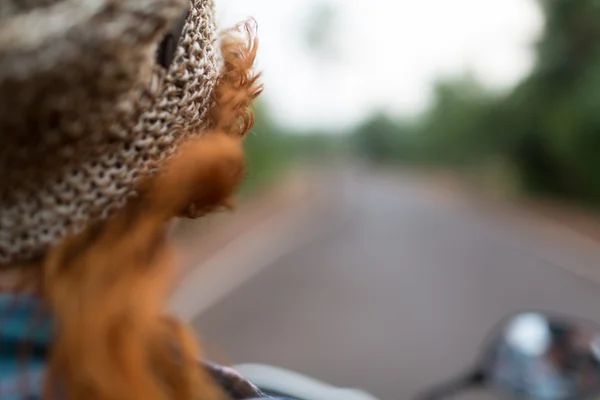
{"type": "Point", "coordinates": [94, 94]}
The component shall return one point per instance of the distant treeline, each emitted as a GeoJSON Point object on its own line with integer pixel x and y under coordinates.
{"type": "Point", "coordinates": [543, 136]}
{"type": "Point", "coordinates": [545, 133]}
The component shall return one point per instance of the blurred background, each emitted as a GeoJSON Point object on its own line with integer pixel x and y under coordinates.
{"type": "Point", "coordinates": [418, 170]}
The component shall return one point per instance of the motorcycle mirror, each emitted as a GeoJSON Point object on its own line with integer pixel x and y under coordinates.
{"type": "Point", "coordinates": [542, 357]}
{"type": "Point", "coordinates": [535, 356]}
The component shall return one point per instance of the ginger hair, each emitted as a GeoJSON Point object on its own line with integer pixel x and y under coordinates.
{"type": "Point", "coordinates": [107, 285]}
{"type": "Point", "coordinates": [231, 112]}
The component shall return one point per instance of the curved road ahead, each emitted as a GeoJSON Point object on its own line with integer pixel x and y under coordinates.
{"type": "Point", "coordinates": [397, 288]}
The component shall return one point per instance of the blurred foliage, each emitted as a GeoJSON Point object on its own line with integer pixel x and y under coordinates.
{"type": "Point", "coordinates": [272, 149]}
{"type": "Point", "coordinates": [543, 136]}
{"type": "Point", "coordinates": [381, 139]}
{"type": "Point", "coordinates": [545, 132]}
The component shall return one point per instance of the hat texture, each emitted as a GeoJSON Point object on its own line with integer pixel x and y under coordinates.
{"type": "Point", "coordinates": [87, 111]}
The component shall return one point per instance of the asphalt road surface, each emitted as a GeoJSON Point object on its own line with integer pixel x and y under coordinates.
{"type": "Point", "coordinates": [397, 289]}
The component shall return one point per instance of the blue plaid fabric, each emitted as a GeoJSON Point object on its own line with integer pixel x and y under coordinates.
{"type": "Point", "coordinates": [26, 331]}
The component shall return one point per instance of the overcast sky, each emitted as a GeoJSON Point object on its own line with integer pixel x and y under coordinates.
{"type": "Point", "coordinates": [387, 52]}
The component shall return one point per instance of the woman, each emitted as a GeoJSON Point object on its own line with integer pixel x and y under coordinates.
{"type": "Point", "coordinates": [116, 117]}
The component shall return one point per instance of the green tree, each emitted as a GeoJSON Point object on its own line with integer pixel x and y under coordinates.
{"type": "Point", "coordinates": [553, 115]}
{"type": "Point", "coordinates": [548, 127]}
{"type": "Point", "coordinates": [384, 140]}
{"type": "Point", "coordinates": [457, 129]}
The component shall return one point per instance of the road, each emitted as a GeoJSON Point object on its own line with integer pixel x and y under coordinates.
{"type": "Point", "coordinates": [397, 288]}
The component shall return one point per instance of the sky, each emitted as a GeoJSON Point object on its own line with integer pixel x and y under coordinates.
{"type": "Point", "coordinates": [386, 53]}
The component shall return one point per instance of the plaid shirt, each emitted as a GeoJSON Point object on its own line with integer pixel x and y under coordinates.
{"type": "Point", "coordinates": [25, 334]}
